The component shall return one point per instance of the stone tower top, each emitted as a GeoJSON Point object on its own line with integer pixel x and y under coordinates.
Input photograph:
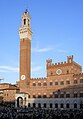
{"type": "Point", "coordinates": [26, 19]}
{"type": "Point", "coordinates": [25, 32]}
{"type": "Point", "coordinates": [70, 59]}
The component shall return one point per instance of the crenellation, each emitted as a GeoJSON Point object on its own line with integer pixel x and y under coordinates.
{"type": "Point", "coordinates": [58, 63]}
{"type": "Point", "coordinates": [43, 78]}
{"type": "Point", "coordinates": [50, 64]}
{"type": "Point", "coordinates": [65, 62]}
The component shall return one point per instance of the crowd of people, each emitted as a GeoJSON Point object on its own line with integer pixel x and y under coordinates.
{"type": "Point", "coordinates": [10, 112]}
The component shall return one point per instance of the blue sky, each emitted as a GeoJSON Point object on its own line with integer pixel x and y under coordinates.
{"type": "Point", "coordinates": [57, 27]}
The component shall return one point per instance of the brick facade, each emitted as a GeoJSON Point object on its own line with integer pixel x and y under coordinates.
{"type": "Point", "coordinates": [64, 79]}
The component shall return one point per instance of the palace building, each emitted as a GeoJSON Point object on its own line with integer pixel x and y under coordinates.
{"type": "Point", "coordinates": [63, 85]}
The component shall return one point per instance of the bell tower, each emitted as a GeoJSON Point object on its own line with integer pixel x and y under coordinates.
{"type": "Point", "coordinates": [25, 33]}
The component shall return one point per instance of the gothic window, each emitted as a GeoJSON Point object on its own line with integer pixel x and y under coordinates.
{"type": "Point", "coordinates": [39, 84]}
{"type": "Point", "coordinates": [68, 95]}
{"type": "Point", "coordinates": [67, 71]}
{"type": "Point", "coordinates": [44, 84]}
{"type": "Point", "coordinates": [61, 95]}
{"type": "Point", "coordinates": [62, 83]}
{"type": "Point", "coordinates": [56, 95]}
{"type": "Point", "coordinates": [67, 82]}
{"type": "Point", "coordinates": [44, 96]}
{"type": "Point", "coordinates": [81, 80]}
{"type": "Point", "coordinates": [75, 94]}
{"type": "Point", "coordinates": [51, 96]}
{"type": "Point", "coordinates": [51, 83]}
{"type": "Point", "coordinates": [75, 81]}
{"type": "Point", "coordinates": [39, 96]}
{"type": "Point", "coordinates": [56, 83]}
{"type": "Point", "coordinates": [34, 84]}
{"type": "Point", "coordinates": [81, 94]}
{"type": "Point", "coordinates": [34, 96]}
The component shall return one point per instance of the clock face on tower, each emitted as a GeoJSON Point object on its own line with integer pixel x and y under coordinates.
{"type": "Point", "coordinates": [59, 71]}
{"type": "Point", "coordinates": [23, 77]}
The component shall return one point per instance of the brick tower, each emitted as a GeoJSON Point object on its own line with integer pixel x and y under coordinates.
{"type": "Point", "coordinates": [25, 34]}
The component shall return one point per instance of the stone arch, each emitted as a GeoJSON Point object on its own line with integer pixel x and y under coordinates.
{"type": "Point", "coordinates": [19, 102]}
{"type": "Point", "coordinates": [67, 104]}
{"type": "Point", "coordinates": [75, 103]}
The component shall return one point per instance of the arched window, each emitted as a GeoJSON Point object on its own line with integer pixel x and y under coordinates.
{"type": "Point", "coordinates": [67, 81]}
{"type": "Point", "coordinates": [56, 82]}
{"type": "Point", "coordinates": [29, 104]}
{"type": "Point", "coordinates": [34, 84]}
{"type": "Point", "coordinates": [34, 105]}
{"type": "Point", "coordinates": [81, 80]}
{"type": "Point", "coordinates": [39, 96]}
{"type": "Point", "coordinates": [24, 21]}
{"type": "Point", "coordinates": [51, 105]}
{"type": "Point", "coordinates": [56, 95]}
{"type": "Point", "coordinates": [75, 105]}
{"type": "Point", "coordinates": [81, 94]}
{"type": "Point", "coordinates": [39, 105]}
{"type": "Point", "coordinates": [67, 71]}
{"type": "Point", "coordinates": [62, 105]}
{"type": "Point", "coordinates": [62, 83]}
{"type": "Point", "coordinates": [44, 84]}
{"type": "Point", "coordinates": [75, 94]}
{"type": "Point", "coordinates": [81, 105]}
{"type": "Point", "coordinates": [51, 95]}
{"type": "Point", "coordinates": [67, 95]}
{"type": "Point", "coordinates": [44, 96]}
{"type": "Point", "coordinates": [34, 96]}
{"type": "Point", "coordinates": [51, 83]}
{"type": "Point", "coordinates": [19, 102]}
{"type": "Point", "coordinates": [75, 81]}
{"type": "Point", "coordinates": [67, 105]}
{"type": "Point", "coordinates": [62, 95]}
{"type": "Point", "coordinates": [45, 105]}
{"type": "Point", "coordinates": [56, 105]}
{"type": "Point", "coordinates": [39, 84]}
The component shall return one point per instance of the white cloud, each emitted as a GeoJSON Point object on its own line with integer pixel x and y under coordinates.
{"type": "Point", "coordinates": [41, 50]}
{"type": "Point", "coordinates": [8, 68]}
{"type": "Point", "coordinates": [62, 51]}
{"type": "Point", "coordinates": [2, 71]}
{"type": "Point", "coordinates": [12, 69]}
{"type": "Point", "coordinates": [36, 69]}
